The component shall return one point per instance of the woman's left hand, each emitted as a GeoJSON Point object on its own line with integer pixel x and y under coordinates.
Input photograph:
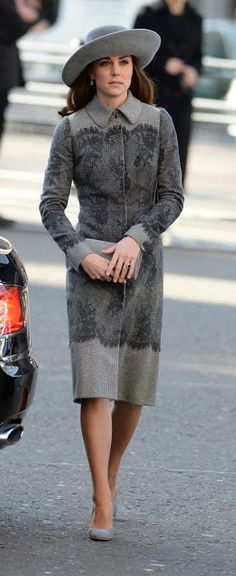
{"type": "Point", "coordinates": [122, 264]}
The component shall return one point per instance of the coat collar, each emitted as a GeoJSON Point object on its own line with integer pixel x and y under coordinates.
{"type": "Point", "coordinates": [101, 113]}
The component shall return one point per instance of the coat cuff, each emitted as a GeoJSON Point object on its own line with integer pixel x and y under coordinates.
{"type": "Point", "coordinates": [138, 233]}
{"type": "Point", "coordinates": [77, 252]}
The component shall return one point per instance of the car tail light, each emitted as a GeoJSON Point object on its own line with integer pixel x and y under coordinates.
{"type": "Point", "coordinates": [11, 310]}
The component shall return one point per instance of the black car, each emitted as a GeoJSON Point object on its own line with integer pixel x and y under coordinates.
{"type": "Point", "coordinates": [18, 369]}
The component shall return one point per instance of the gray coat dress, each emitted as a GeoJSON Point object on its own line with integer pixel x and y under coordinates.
{"type": "Point", "coordinates": [125, 166]}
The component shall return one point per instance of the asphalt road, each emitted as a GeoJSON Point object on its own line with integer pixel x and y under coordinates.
{"type": "Point", "coordinates": [177, 483]}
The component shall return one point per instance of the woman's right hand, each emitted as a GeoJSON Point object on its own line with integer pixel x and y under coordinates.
{"type": "Point", "coordinates": [95, 266]}
{"type": "Point", "coordinates": [174, 66]}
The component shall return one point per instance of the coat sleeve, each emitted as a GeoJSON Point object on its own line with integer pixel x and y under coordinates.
{"type": "Point", "coordinates": [55, 196]}
{"type": "Point", "coordinates": [169, 197]}
{"type": "Point", "coordinates": [196, 58]}
{"type": "Point", "coordinates": [152, 20]}
{"type": "Point", "coordinates": [147, 18]}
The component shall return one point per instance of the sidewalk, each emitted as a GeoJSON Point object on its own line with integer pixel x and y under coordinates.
{"type": "Point", "coordinates": [207, 222]}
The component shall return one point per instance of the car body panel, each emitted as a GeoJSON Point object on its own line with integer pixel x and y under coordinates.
{"type": "Point", "coordinates": [18, 368]}
{"type": "Point", "coordinates": [219, 41]}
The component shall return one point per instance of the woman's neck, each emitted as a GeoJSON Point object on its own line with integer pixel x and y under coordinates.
{"type": "Point", "coordinates": [176, 7]}
{"type": "Point", "coordinates": [113, 102]}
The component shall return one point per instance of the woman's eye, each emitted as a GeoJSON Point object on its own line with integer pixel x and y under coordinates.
{"type": "Point", "coordinates": [124, 61]}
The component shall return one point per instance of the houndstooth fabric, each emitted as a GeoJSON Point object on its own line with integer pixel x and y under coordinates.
{"type": "Point", "coordinates": [125, 167]}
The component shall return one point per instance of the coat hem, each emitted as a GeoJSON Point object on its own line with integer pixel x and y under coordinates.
{"type": "Point", "coordinates": [112, 399]}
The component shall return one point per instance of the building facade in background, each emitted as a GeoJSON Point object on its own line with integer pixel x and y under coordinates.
{"type": "Point", "coordinates": [72, 19]}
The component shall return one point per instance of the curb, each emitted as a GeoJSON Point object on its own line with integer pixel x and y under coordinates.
{"type": "Point", "coordinates": [204, 245]}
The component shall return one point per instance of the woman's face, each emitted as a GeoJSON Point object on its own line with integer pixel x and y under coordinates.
{"type": "Point", "coordinates": [176, 3]}
{"type": "Point", "coordinates": [112, 76]}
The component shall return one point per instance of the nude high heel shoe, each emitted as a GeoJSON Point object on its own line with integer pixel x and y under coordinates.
{"type": "Point", "coordinates": [100, 534]}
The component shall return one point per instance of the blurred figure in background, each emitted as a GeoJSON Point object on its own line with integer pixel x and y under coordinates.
{"type": "Point", "coordinates": [51, 9]}
{"type": "Point", "coordinates": [176, 70]}
{"type": "Point", "coordinates": [16, 18]}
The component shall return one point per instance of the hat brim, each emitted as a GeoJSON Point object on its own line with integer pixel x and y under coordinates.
{"type": "Point", "coordinates": [140, 43]}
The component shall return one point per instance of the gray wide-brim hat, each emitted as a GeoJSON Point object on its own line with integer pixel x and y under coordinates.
{"type": "Point", "coordinates": [112, 41]}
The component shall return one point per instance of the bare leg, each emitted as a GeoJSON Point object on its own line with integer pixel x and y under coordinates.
{"type": "Point", "coordinates": [125, 417]}
{"type": "Point", "coordinates": [96, 428]}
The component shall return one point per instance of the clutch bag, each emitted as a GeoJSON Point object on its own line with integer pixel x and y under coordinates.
{"type": "Point", "coordinates": [98, 245]}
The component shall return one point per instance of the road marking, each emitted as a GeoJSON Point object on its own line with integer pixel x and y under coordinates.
{"type": "Point", "coordinates": [46, 274]}
{"type": "Point", "coordinates": [200, 289]}
{"type": "Point", "coordinates": [182, 288]}
{"type": "Point", "coordinates": [21, 176]}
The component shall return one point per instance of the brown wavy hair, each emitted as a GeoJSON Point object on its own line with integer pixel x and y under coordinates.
{"type": "Point", "coordinates": [81, 92]}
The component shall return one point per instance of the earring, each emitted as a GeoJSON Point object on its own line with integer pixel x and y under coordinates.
{"type": "Point", "coordinates": [91, 81]}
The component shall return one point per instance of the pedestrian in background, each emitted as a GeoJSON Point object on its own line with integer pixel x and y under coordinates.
{"type": "Point", "coordinates": [122, 153]}
{"type": "Point", "coordinates": [16, 18]}
{"type": "Point", "coordinates": [176, 69]}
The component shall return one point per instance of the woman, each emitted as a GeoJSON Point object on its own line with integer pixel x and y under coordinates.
{"type": "Point", "coordinates": [123, 157]}
{"type": "Point", "coordinates": [16, 18]}
{"type": "Point", "coordinates": [176, 70]}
